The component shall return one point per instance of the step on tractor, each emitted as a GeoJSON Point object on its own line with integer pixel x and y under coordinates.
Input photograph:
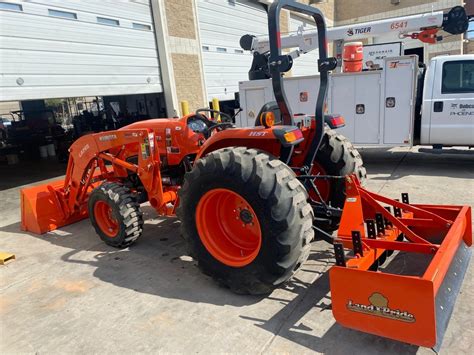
{"type": "Point", "coordinates": [251, 201]}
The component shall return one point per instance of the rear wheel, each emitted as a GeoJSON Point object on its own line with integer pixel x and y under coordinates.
{"type": "Point", "coordinates": [246, 219]}
{"type": "Point", "coordinates": [228, 227]}
{"type": "Point", "coordinates": [115, 215]}
{"type": "Point", "coordinates": [338, 157]}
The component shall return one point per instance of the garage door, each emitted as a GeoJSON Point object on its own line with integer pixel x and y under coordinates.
{"type": "Point", "coordinates": [222, 23]}
{"type": "Point", "coordinates": [306, 64]}
{"type": "Point", "coordinates": [74, 48]}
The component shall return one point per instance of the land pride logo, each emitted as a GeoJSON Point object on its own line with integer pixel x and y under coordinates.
{"type": "Point", "coordinates": [379, 307]}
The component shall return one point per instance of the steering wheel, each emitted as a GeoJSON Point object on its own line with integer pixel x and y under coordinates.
{"type": "Point", "coordinates": [225, 117]}
{"type": "Point", "coordinates": [220, 127]}
{"type": "Point", "coordinates": [214, 125]}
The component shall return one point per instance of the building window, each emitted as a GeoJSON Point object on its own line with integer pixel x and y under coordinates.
{"type": "Point", "coordinates": [108, 21]}
{"type": "Point", "coordinates": [63, 14]}
{"type": "Point", "coordinates": [238, 51]}
{"type": "Point", "coordinates": [221, 50]}
{"type": "Point", "coordinates": [205, 48]}
{"type": "Point", "coordinates": [139, 26]}
{"type": "Point", "coordinates": [458, 77]}
{"type": "Point", "coordinates": [470, 31]}
{"type": "Point", "coordinates": [10, 6]}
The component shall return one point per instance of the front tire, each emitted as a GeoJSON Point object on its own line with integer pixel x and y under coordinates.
{"type": "Point", "coordinates": [115, 215]}
{"type": "Point", "coordinates": [246, 219]}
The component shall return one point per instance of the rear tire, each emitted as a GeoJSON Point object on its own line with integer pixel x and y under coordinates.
{"type": "Point", "coordinates": [279, 202]}
{"type": "Point", "coordinates": [115, 215]}
{"type": "Point", "coordinates": [338, 157]}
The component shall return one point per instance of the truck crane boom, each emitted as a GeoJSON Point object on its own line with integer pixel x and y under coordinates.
{"type": "Point", "coordinates": [423, 27]}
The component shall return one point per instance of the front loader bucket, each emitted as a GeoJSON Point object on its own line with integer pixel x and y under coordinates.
{"type": "Point", "coordinates": [42, 209]}
{"type": "Point", "coordinates": [407, 295]}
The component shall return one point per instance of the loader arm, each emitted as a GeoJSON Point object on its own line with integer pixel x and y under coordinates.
{"type": "Point", "coordinates": [93, 159]}
{"type": "Point", "coordinates": [92, 152]}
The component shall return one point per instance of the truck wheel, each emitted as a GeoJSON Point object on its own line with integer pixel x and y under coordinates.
{"type": "Point", "coordinates": [115, 215]}
{"type": "Point", "coordinates": [246, 219]}
{"type": "Point", "coordinates": [336, 156]}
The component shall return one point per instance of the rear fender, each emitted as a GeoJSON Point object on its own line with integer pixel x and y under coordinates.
{"type": "Point", "coordinates": [260, 137]}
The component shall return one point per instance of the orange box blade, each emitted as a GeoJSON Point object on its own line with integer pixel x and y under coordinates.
{"type": "Point", "coordinates": [392, 306]}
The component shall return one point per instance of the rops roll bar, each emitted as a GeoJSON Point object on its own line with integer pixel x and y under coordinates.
{"type": "Point", "coordinates": [279, 64]}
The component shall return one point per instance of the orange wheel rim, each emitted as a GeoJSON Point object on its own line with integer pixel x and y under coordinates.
{"type": "Point", "coordinates": [228, 227]}
{"type": "Point", "coordinates": [105, 220]}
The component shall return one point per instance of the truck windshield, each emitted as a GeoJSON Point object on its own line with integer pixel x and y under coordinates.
{"type": "Point", "coordinates": [458, 77]}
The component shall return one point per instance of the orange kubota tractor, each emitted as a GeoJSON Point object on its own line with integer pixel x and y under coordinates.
{"type": "Point", "coordinates": [250, 201]}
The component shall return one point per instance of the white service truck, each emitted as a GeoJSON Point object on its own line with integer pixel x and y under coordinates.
{"type": "Point", "coordinates": [403, 104]}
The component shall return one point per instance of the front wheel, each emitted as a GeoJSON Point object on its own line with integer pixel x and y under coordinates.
{"type": "Point", "coordinates": [246, 219]}
{"type": "Point", "coordinates": [115, 215]}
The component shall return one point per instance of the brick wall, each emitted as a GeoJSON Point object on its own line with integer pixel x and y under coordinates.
{"type": "Point", "coordinates": [326, 7]}
{"type": "Point", "coordinates": [185, 52]}
{"type": "Point", "coordinates": [435, 54]}
{"type": "Point", "coordinates": [352, 9]}
{"type": "Point", "coordinates": [187, 76]}
{"type": "Point", "coordinates": [469, 47]}
{"type": "Point", "coordinates": [469, 7]}
{"type": "Point", "coordinates": [284, 21]}
{"type": "Point", "coordinates": [180, 18]}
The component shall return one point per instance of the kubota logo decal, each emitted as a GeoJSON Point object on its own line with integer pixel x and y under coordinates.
{"type": "Point", "coordinates": [109, 137]}
{"type": "Point", "coordinates": [379, 307]}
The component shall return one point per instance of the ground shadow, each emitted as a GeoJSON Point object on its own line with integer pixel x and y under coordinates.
{"type": "Point", "coordinates": [156, 264]}
{"type": "Point", "coordinates": [313, 297]}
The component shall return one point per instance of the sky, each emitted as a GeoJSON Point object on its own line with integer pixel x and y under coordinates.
{"type": "Point", "coordinates": [471, 28]}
